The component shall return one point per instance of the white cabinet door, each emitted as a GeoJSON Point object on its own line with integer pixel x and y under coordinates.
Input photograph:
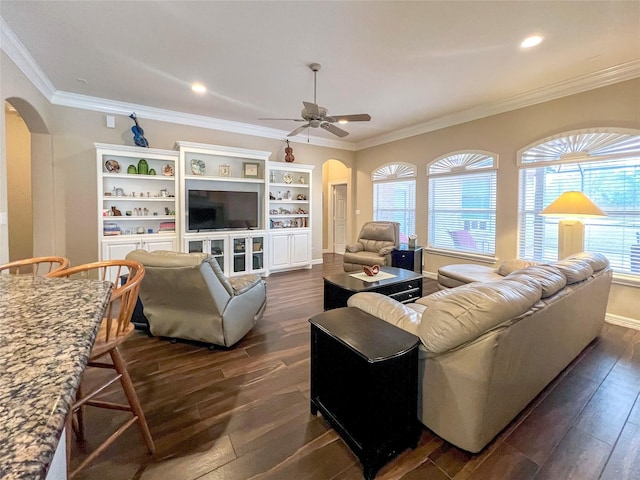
{"type": "Point", "coordinates": [119, 250]}
{"type": "Point", "coordinates": [289, 250]}
{"type": "Point", "coordinates": [299, 249]}
{"type": "Point", "coordinates": [152, 245]}
{"type": "Point", "coordinates": [279, 250]}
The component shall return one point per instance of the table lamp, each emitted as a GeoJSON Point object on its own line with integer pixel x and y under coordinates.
{"type": "Point", "coordinates": [571, 207]}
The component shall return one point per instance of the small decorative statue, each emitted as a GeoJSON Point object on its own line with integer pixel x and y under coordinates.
{"type": "Point", "coordinates": [138, 133]}
{"type": "Point", "coordinates": [288, 151]}
{"type": "Point", "coordinates": [371, 271]}
{"type": "Point", "coordinates": [115, 212]}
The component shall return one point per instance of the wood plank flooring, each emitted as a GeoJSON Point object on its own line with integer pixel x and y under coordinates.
{"type": "Point", "coordinates": [243, 413]}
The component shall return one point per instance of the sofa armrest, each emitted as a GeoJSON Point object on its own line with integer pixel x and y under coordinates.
{"type": "Point", "coordinates": [354, 247]}
{"type": "Point", "coordinates": [244, 283]}
{"type": "Point", "coordinates": [387, 309]}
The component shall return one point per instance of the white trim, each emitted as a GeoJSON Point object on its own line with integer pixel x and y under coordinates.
{"type": "Point", "coordinates": [464, 255]}
{"type": "Point", "coordinates": [115, 107]}
{"type": "Point", "coordinates": [18, 53]}
{"type": "Point", "coordinates": [622, 321]}
{"type": "Point", "coordinates": [602, 78]}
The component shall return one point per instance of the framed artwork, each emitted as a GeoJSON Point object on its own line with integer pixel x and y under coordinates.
{"type": "Point", "coordinates": [250, 170]}
{"type": "Point", "coordinates": [224, 170]}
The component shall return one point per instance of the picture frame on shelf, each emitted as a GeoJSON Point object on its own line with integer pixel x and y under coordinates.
{"type": "Point", "coordinates": [250, 170]}
{"type": "Point", "coordinates": [224, 170]}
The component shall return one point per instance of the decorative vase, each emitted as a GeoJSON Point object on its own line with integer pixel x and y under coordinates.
{"type": "Point", "coordinates": [132, 170]}
{"type": "Point", "coordinates": [143, 167]}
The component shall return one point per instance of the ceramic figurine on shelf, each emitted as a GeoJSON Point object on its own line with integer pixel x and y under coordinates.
{"type": "Point", "coordinates": [138, 133]}
{"type": "Point", "coordinates": [288, 157]}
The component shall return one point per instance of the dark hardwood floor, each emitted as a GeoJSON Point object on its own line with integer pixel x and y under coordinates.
{"type": "Point", "coordinates": [243, 413]}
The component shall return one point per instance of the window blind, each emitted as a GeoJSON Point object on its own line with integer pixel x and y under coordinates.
{"type": "Point", "coordinates": [613, 185]}
{"type": "Point", "coordinates": [462, 212]}
{"type": "Point", "coordinates": [395, 201]}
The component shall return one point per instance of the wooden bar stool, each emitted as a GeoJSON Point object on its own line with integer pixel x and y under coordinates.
{"type": "Point", "coordinates": [115, 328]}
{"type": "Point", "coordinates": [37, 266]}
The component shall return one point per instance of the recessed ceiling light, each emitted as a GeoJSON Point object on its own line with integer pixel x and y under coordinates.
{"type": "Point", "coordinates": [531, 41]}
{"type": "Point", "coordinates": [198, 88]}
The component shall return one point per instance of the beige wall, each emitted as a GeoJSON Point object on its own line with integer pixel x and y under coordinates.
{"type": "Point", "coordinates": [505, 134]}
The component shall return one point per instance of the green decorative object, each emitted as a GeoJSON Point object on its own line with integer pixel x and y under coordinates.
{"type": "Point", "coordinates": [132, 169]}
{"type": "Point", "coordinates": [143, 167]}
{"type": "Point", "coordinates": [152, 171]}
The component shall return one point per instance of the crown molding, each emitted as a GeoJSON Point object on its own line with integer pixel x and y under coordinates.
{"type": "Point", "coordinates": [115, 107]}
{"type": "Point", "coordinates": [602, 78]}
{"type": "Point", "coordinates": [19, 55]}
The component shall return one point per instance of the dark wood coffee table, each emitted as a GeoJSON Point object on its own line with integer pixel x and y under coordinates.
{"type": "Point", "coordinates": [405, 287]}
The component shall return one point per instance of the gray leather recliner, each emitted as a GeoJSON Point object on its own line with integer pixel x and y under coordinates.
{"type": "Point", "coordinates": [374, 246]}
{"type": "Point", "coordinates": [187, 296]}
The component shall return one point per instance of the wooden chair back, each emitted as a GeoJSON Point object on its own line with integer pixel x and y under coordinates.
{"type": "Point", "coordinates": [116, 324]}
{"type": "Point", "coordinates": [36, 266]}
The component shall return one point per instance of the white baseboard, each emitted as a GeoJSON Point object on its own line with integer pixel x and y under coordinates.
{"type": "Point", "coordinates": [622, 321]}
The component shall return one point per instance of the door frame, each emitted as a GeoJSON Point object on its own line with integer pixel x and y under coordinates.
{"type": "Point", "coordinates": [330, 211]}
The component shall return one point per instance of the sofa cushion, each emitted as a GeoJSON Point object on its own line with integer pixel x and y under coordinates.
{"type": "Point", "coordinates": [597, 260]}
{"type": "Point", "coordinates": [550, 278]}
{"type": "Point", "coordinates": [471, 310]}
{"type": "Point", "coordinates": [406, 317]}
{"type": "Point", "coordinates": [463, 273]}
{"type": "Point", "coordinates": [575, 270]}
{"type": "Point", "coordinates": [167, 258]}
{"type": "Point", "coordinates": [509, 266]}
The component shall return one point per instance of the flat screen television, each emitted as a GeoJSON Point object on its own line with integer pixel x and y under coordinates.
{"type": "Point", "coordinates": [222, 210]}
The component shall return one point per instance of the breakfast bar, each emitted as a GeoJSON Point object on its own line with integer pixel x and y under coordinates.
{"type": "Point", "coordinates": [47, 329]}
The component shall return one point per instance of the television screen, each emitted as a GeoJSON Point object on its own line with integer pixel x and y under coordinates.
{"type": "Point", "coordinates": [219, 210]}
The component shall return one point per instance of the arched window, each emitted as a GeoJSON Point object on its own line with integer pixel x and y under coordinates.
{"type": "Point", "coordinates": [394, 196]}
{"type": "Point", "coordinates": [602, 163]}
{"type": "Point", "coordinates": [462, 202]}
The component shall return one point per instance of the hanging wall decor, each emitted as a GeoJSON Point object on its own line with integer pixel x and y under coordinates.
{"type": "Point", "coordinates": [288, 153]}
{"type": "Point", "coordinates": [138, 133]}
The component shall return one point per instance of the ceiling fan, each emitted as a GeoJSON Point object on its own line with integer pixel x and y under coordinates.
{"type": "Point", "coordinates": [317, 116]}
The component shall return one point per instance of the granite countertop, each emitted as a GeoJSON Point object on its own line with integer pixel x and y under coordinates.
{"type": "Point", "coordinates": [47, 329]}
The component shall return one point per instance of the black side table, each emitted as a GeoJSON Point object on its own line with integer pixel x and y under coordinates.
{"type": "Point", "coordinates": [409, 258]}
{"type": "Point", "coordinates": [364, 382]}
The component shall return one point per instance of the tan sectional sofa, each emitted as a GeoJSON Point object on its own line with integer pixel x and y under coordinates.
{"type": "Point", "coordinates": [488, 348]}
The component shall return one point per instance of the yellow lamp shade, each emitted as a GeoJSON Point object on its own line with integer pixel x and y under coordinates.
{"type": "Point", "coordinates": [573, 204]}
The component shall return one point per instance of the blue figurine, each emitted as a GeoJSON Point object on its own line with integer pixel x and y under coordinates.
{"type": "Point", "coordinates": [138, 133]}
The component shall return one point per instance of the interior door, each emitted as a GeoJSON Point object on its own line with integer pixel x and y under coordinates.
{"type": "Point", "coordinates": [339, 218]}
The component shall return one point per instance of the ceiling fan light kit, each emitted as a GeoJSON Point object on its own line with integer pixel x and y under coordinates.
{"type": "Point", "coordinates": [316, 116]}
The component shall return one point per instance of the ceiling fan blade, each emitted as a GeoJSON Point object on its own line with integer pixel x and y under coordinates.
{"type": "Point", "coordinates": [333, 129]}
{"type": "Point", "coordinates": [289, 119]}
{"type": "Point", "coordinates": [298, 130]}
{"type": "Point", "coordinates": [311, 108]}
{"type": "Point", "coordinates": [358, 117]}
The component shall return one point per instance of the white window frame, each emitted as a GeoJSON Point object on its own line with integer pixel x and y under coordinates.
{"type": "Point", "coordinates": [577, 150]}
{"type": "Point", "coordinates": [394, 173]}
{"type": "Point", "coordinates": [446, 213]}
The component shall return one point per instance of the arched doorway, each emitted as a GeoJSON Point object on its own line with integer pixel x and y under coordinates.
{"type": "Point", "coordinates": [336, 198]}
{"type": "Point", "coordinates": [27, 184]}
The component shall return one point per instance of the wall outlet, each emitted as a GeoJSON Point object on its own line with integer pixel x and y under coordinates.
{"type": "Point", "coordinates": [358, 212]}
{"type": "Point", "coordinates": [3, 218]}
